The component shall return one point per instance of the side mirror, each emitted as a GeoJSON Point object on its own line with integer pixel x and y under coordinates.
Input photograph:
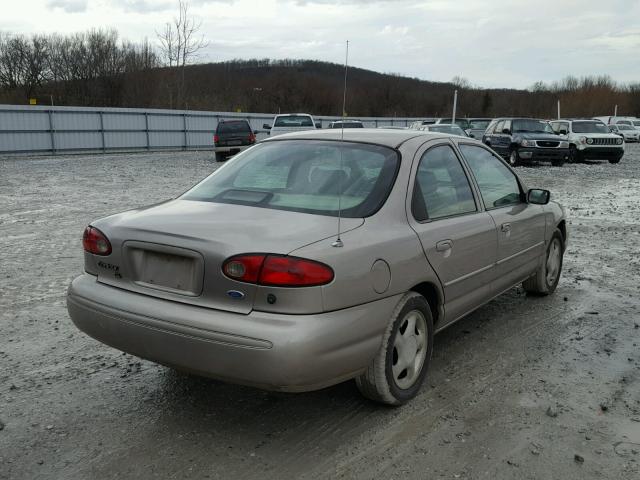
{"type": "Point", "coordinates": [506, 131]}
{"type": "Point", "coordinates": [318, 125]}
{"type": "Point", "coordinates": [538, 196]}
{"type": "Point", "coordinates": [266, 126]}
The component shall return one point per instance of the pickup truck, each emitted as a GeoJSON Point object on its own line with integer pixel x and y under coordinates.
{"type": "Point", "coordinates": [291, 122]}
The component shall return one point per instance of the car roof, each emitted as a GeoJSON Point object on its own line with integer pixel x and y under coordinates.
{"type": "Point", "coordinates": [378, 136]}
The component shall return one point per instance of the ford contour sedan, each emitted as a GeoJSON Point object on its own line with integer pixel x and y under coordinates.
{"type": "Point", "coordinates": [311, 259]}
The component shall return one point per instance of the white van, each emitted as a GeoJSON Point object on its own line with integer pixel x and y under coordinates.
{"type": "Point", "coordinates": [291, 122]}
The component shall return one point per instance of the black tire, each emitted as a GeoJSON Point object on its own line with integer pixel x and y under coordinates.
{"type": "Point", "coordinates": [378, 382]}
{"type": "Point", "coordinates": [220, 157]}
{"type": "Point", "coordinates": [558, 162]}
{"type": "Point", "coordinates": [513, 159]}
{"type": "Point", "coordinates": [574, 155]}
{"type": "Point", "coordinates": [541, 282]}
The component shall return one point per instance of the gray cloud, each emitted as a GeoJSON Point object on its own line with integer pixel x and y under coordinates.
{"type": "Point", "coordinates": [69, 6]}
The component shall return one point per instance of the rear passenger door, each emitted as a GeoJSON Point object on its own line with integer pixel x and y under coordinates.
{"type": "Point", "coordinates": [457, 236]}
{"type": "Point", "coordinates": [520, 226]}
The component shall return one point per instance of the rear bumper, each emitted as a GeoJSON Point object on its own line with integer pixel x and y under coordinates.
{"type": "Point", "coordinates": [265, 350]}
{"type": "Point", "coordinates": [231, 148]}
{"type": "Point", "coordinates": [543, 154]}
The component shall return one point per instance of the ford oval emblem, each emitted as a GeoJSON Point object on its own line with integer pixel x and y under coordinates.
{"type": "Point", "coordinates": [235, 294]}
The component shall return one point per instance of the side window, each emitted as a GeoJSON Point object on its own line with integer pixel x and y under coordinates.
{"type": "Point", "coordinates": [441, 187]}
{"type": "Point", "coordinates": [498, 185]}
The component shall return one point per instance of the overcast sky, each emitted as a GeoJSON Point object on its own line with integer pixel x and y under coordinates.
{"type": "Point", "coordinates": [493, 43]}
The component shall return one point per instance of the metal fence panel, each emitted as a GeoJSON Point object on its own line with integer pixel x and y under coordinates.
{"type": "Point", "coordinates": [43, 129]}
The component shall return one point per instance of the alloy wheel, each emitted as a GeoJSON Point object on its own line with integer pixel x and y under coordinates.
{"type": "Point", "coordinates": [553, 261]}
{"type": "Point", "coordinates": [409, 349]}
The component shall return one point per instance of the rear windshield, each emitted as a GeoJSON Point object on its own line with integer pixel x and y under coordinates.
{"type": "Point", "coordinates": [452, 129]}
{"type": "Point", "coordinates": [233, 127]}
{"type": "Point", "coordinates": [346, 125]}
{"type": "Point", "coordinates": [308, 176]}
{"type": "Point", "coordinates": [461, 122]}
{"type": "Point", "coordinates": [294, 121]}
{"type": "Point", "coordinates": [589, 127]}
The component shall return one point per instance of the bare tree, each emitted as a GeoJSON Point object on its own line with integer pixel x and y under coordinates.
{"type": "Point", "coordinates": [180, 44]}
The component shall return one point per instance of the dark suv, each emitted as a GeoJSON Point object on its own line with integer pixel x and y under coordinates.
{"type": "Point", "coordinates": [231, 137]}
{"type": "Point", "coordinates": [521, 140]}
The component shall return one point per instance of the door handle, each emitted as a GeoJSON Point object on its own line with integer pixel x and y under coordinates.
{"type": "Point", "coordinates": [506, 227]}
{"type": "Point", "coordinates": [444, 245]}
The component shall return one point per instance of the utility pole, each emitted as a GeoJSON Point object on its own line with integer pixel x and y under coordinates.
{"type": "Point", "coordinates": [455, 105]}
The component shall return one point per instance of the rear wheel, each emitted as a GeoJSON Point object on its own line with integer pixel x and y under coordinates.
{"type": "Point", "coordinates": [398, 370]}
{"type": "Point", "coordinates": [514, 158]}
{"type": "Point", "coordinates": [546, 278]}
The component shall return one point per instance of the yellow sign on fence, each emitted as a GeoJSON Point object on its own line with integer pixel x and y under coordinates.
{"type": "Point", "coordinates": [32, 101]}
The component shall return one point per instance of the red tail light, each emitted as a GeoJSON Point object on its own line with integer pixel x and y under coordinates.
{"type": "Point", "coordinates": [277, 270]}
{"type": "Point", "coordinates": [94, 241]}
{"type": "Point", "coordinates": [252, 137]}
{"type": "Point", "coordinates": [216, 138]}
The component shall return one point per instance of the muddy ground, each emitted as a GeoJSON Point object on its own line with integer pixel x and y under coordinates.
{"type": "Point", "coordinates": [544, 388]}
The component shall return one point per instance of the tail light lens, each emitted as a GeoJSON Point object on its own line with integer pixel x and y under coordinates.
{"type": "Point", "coordinates": [216, 138]}
{"type": "Point", "coordinates": [277, 270]}
{"type": "Point", "coordinates": [252, 137]}
{"type": "Point", "coordinates": [94, 241]}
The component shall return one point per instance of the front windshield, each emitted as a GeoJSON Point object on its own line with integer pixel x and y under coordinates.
{"type": "Point", "coordinates": [531, 126]}
{"type": "Point", "coordinates": [479, 124]}
{"type": "Point", "coordinates": [624, 127]}
{"type": "Point", "coordinates": [294, 121]}
{"type": "Point", "coordinates": [452, 129]}
{"type": "Point", "coordinates": [589, 127]}
{"type": "Point", "coordinates": [304, 176]}
{"type": "Point", "coordinates": [636, 123]}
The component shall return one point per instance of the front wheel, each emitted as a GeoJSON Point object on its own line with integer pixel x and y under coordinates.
{"type": "Point", "coordinates": [398, 370]}
{"type": "Point", "coordinates": [574, 155]}
{"type": "Point", "coordinates": [546, 278]}
{"type": "Point", "coordinates": [557, 163]}
{"type": "Point", "coordinates": [514, 158]}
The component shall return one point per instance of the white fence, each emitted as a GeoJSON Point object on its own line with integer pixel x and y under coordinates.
{"type": "Point", "coordinates": [42, 129]}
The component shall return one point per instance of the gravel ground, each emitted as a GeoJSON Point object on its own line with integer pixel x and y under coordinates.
{"type": "Point", "coordinates": [522, 388]}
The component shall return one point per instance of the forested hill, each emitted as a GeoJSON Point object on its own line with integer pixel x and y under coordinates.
{"type": "Point", "coordinates": [307, 86]}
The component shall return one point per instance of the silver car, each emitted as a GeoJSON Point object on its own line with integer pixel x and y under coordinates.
{"type": "Point", "coordinates": [306, 260]}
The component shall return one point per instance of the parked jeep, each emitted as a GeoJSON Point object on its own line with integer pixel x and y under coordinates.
{"type": "Point", "coordinates": [590, 140]}
{"type": "Point", "coordinates": [520, 140]}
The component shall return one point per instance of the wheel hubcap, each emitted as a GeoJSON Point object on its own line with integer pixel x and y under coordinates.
{"type": "Point", "coordinates": [553, 261]}
{"type": "Point", "coordinates": [409, 349]}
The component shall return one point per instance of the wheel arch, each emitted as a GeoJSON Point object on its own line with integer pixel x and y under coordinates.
{"type": "Point", "coordinates": [562, 226]}
{"type": "Point", "coordinates": [434, 298]}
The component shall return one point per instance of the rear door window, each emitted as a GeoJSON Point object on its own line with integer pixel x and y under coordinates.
{"type": "Point", "coordinates": [498, 185]}
{"type": "Point", "coordinates": [441, 186]}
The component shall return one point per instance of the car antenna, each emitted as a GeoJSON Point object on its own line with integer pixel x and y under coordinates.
{"type": "Point", "coordinates": [338, 243]}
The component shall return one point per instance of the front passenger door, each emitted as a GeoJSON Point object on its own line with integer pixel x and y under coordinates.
{"type": "Point", "coordinates": [520, 226]}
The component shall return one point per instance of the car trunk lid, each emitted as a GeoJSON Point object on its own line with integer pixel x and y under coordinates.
{"type": "Point", "coordinates": [176, 250]}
